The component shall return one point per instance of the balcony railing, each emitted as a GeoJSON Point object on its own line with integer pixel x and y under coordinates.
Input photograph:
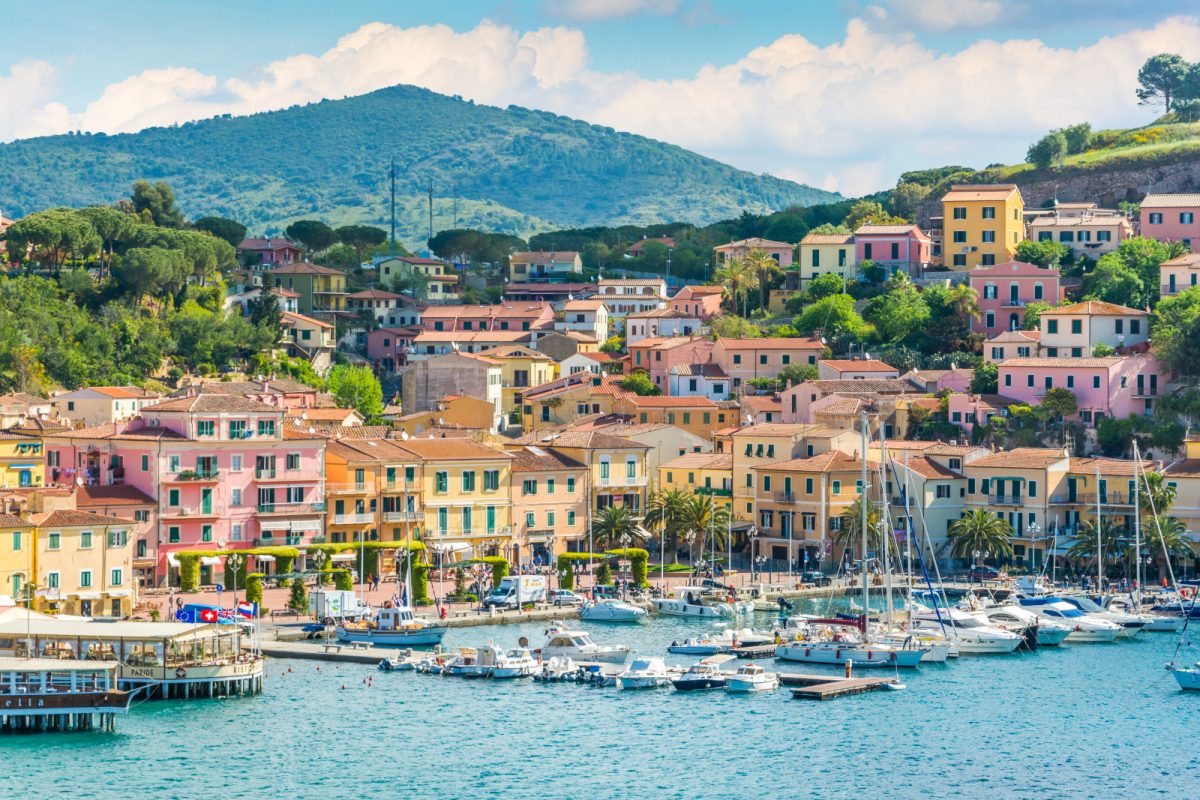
{"type": "Point", "coordinates": [354, 487]}
{"type": "Point", "coordinates": [403, 516]}
{"type": "Point", "coordinates": [190, 511]}
{"type": "Point", "coordinates": [353, 519]}
{"type": "Point", "coordinates": [262, 474]}
{"type": "Point", "coordinates": [196, 475]}
{"type": "Point", "coordinates": [291, 539]}
{"type": "Point", "coordinates": [714, 492]}
{"type": "Point", "coordinates": [785, 497]}
{"type": "Point", "coordinates": [621, 480]}
{"type": "Point", "coordinates": [1006, 499]}
{"type": "Point", "coordinates": [288, 508]}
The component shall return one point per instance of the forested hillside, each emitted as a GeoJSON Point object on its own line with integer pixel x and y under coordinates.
{"type": "Point", "coordinates": [513, 170]}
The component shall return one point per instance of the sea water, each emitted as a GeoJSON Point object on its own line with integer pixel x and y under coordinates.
{"type": "Point", "coordinates": [1098, 720]}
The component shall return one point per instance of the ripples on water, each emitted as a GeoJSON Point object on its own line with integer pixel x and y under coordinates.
{"type": "Point", "coordinates": [1080, 721]}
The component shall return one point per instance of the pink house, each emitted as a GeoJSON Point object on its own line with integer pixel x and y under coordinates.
{"type": "Point", "coordinates": [389, 348]}
{"type": "Point", "coordinates": [895, 246]}
{"type": "Point", "coordinates": [273, 251]}
{"type": "Point", "coordinates": [968, 410]}
{"type": "Point", "coordinates": [802, 401]}
{"type": "Point", "coordinates": [1005, 289]}
{"type": "Point", "coordinates": [701, 301]}
{"type": "Point", "coordinates": [780, 251]}
{"type": "Point", "coordinates": [745, 359]}
{"type": "Point", "coordinates": [1171, 218]}
{"type": "Point", "coordinates": [1113, 386]}
{"type": "Point", "coordinates": [223, 471]}
{"type": "Point", "coordinates": [658, 356]}
{"type": "Point", "coordinates": [500, 317]}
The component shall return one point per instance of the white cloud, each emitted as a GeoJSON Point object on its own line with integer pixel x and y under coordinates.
{"type": "Point", "coordinates": [849, 115]}
{"type": "Point", "coordinates": [600, 10]}
{"type": "Point", "coordinates": [949, 14]}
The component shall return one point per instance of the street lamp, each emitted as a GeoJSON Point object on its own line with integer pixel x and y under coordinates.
{"type": "Point", "coordinates": [235, 562]}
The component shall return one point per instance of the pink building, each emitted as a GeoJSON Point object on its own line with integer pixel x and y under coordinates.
{"type": "Point", "coordinates": [389, 348]}
{"type": "Point", "coordinates": [273, 251]}
{"type": "Point", "coordinates": [1113, 386]}
{"type": "Point", "coordinates": [744, 359]}
{"type": "Point", "coordinates": [904, 247]}
{"type": "Point", "coordinates": [802, 401]}
{"type": "Point", "coordinates": [223, 472]}
{"type": "Point", "coordinates": [780, 251]}
{"type": "Point", "coordinates": [1171, 218]}
{"type": "Point", "coordinates": [658, 356]}
{"type": "Point", "coordinates": [968, 410]}
{"type": "Point", "coordinates": [500, 317]}
{"type": "Point", "coordinates": [1005, 289]}
{"type": "Point", "coordinates": [701, 301]}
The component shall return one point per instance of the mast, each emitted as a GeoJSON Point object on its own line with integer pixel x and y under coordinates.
{"type": "Point", "coordinates": [1099, 538]}
{"type": "Point", "coordinates": [885, 520]}
{"type": "Point", "coordinates": [1137, 529]}
{"type": "Point", "coordinates": [862, 502]}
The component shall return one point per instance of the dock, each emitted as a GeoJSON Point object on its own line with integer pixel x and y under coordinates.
{"type": "Point", "coordinates": [829, 687]}
{"type": "Point", "coordinates": [755, 652]}
{"type": "Point", "coordinates": [320, 650]}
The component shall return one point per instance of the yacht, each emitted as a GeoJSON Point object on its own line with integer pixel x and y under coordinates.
{"type": "Point", "coordinates": [578, 646]}
{"type": "Point", "coordinates": [1186, 677]}
{"type": "Point", "coordinates": [1155, 622]}
{"type": "Point", "coordinates": [393, 627]}
{"type": "Point", "coordinates": [1084, 627]}
{"type": "Point", "coordinates": [694, 601]}
{"type": "Point", "coordinates": [752, 678]}
{"type": "Point", "coordinates": [972, 634]}
{"type": "Point", "coordinates": [705, 674]}
{"type": "Point", "coordinates": [610, 611]}
{"type": "Point", "coordinates": [1131, 624]}
{"type": "Point", "coordinates": [644, 673]}
{"type": "Point", "coordinates": [1045, 632]}
{"type": "Point", "coordinates": [515, 663]}
{"type": "Point", "coordinates": [836, 642]}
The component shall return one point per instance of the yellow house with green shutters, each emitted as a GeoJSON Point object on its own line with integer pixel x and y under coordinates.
{"type": "Point", "coordinates": [18, 556]}
{"type": "Point", "coordinates": [982, 224]}
{"type": "Point", "coordinates": [22, 461]}
{"type": "Point", "coordinates": [700, 473]}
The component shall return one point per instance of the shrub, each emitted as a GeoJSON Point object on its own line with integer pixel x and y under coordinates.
{"type": "Point", "coordinates": [1047, 151]}
{"type": "Point", "coordinates": [638, 560]}
{"type": "Point", "coordinates": [341, 580]}
{"type": "Point", "coordinates": [420, 588]}
{"type": "Point", "coordinates": [254, 588]}
{"type": "Point", "coordinates": [189, 571]}
{"type": "Point", "coordinates": [298, 599]}
{"type": "Point", "coordinates": [603, 573]}
{"type": "Point", "coordinates": [566, 572]}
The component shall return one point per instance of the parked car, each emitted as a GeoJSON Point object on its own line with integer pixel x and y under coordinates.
{"type": "Point", "coordinates": [564, 597]}
{"type": "Point", "coordinates": [982, 572]}
{"type": "Point", "coordinates": [816, 578]}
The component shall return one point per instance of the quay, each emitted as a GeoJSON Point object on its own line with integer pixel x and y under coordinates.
{"type": "Point", "coordinates": [829, 687]}
{"type": "Point", "coordinates": [56, 695]}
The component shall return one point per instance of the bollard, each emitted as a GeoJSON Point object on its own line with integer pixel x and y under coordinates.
{"type": "Point", "coordinates": [849, 668]}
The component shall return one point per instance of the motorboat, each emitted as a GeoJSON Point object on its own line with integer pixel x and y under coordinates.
{"type": "Point", "coordinates": [645, 672]}
{"type": "Point", "coordinates": [695, 601]}
{"type": "Point", "coordinates": [1155, 622]}
{"type": "Point", "coordinates": [517, 662]}
{"type": "Point", "coordinates": [1044, 632]}
{"type": "Point", "coordinates": [748, 637]}
{"type": "Point", "coordinates": [471, 663]}
{"type": "Point", "coordinates": [704, 674]}
{"type": "Point", "coordinates": [610, 610]}
{"type": "Point", "coordinates": [578, 645]}
{"type": "Point", "coordinates": [1085, 628]}
{"type": "Point", "coordinates": [405, 661]}
{"type": "Point", "coordinates": [699, 646]}
{"type": "Point", "coordinates": [836, 642]}
{"type": "Point", "coordinates": [751, 678]}
{"type": "Point", "coordinates": [556, 669]}
{"type": "Point", "coordinates": [972, 634]}
{"type": "Point", "coordinates": [1131, 624]}
{"type": "Point", "coordinates": [392, 626]}
{"type": "Point", "coordinates": [1187, 677]}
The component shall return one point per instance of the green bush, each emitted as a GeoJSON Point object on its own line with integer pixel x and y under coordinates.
{"type": "Point", "coordinates": [420, 587]}
{"type": "Point", "coordinates": [499, 565]}
{"type": "Point", "coordinates": [604, 574]}
{"type": "Point", "coordinates": [638, 560]}
{"type": "Point", "coordinates": [566, 573]}
{"type": "Point", "coordinates": [189, 571]}
{"type": "Point", "coordinates": [298, 599]}
{"type": "Point", "coordinates": [254, 589]}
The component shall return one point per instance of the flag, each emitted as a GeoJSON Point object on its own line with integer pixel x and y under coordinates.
{"type": "Point", "coordinates": [248, 610]}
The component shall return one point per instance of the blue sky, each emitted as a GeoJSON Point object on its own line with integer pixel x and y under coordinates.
{"type": "Point", "coordinates": [843, 94]}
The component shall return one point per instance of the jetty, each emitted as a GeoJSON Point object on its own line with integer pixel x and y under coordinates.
{"type": "Point", "coordinates": [755, 651]}
{"type": "Point", "coordinates": [57, 695]}
{"type": "Point", "coordinates": [830, 687]}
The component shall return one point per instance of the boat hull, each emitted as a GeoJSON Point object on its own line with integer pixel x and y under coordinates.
{"type": "Point", "coordinates": [698, 684]}
{"type": "Point", "coordinates": [1051, 637]}
{"type": "Point", "coordinates": [601, 657]}
{"type": "Point", "coordinates": [678, 608]}
{"type": "Point", "coordinates": [516, 671]}
{"type": "Point", "coordinates": [1188, 679]}
{"type": "Point", "coordinates": [1164, 624]}
{"type": "Point", "coordinates": [631, 614]}
{"type": "Point", "coordinates": [424, 636]}
{"type": "Point", "coordinates": [1093, 636]}
{"type": "Point", "coordinates": [988, 647]}
{"type": "Point", "coordinates": [641, 681]}
{"type": "Point", "coordinates": [862, 657]}
{"type": "Point", "coordinates": [744, 686]}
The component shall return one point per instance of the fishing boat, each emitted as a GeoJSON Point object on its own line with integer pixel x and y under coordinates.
{"type": "Point", "coordinates": [645, 672]}
{"type": "Point", "coordinates": [515, 663]}
{"type": "Point", "coordinates": [392, 626]}
{"type": "Point", "coordinates": [472, 662]}
{"type": "Point", "coordinates": [752, 678]}
{"type": "Point", "coordinates": [578, 645]}
{"type": "Point", "coordinates": [1084, 627]}
{"type": "Point", "coordinates": [610, 610]}
{"type": "Point", "coordinates": [695, 601]}
{"type": "Point", "coordinates": [704, 674]}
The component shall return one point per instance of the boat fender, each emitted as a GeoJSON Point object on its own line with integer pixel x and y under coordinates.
{"type": "Point", "coordinates": [893, 656]}
{"type": "Point", "coordinates": [807, 652]}
{"type": "Point", "coordinates": [870, 655]}
{"type": "Point", "coordinates": [180, 672]}
{"type": "Point", "coordinates": [837, 654]}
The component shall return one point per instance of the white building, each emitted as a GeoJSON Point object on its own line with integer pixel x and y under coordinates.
{"type": "Point", "coordinates": [1073, 331]}
{"type": "Point", "coordinates": [664, 322]}
{"type": "Point", "coordinates": [699, 380]}
{"type": "Point", "coordinates": [585, 316]}
{"type": "Point", "coordinates": [625, 296]}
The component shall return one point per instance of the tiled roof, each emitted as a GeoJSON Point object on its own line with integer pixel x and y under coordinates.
{"type": "Point", "coordinates": [700, 461]}
{"type": "Point", "coordinates": [291, 317]}
{"type": "Point", "coordinates": [661, 313]}
{"type": "Point", "coordinates": [842, 405]}
{"type": "Point", "coordinates": [1184, 468]}
{"type": "Point", "coordinates": [701, 290]}
{"type": "Point", "coordinates": [273, 386]}
{"type": "Point", "coordinates": [370, 448]}
{"type": "Point", "coordinates": [888, 230]}
{"type": "Point", "coordinates": [827, 238]}
{"type": "Point", "coordinates": [373, 294]}
{"type": "Point", "coordinates": [753, 242]}
{"type": "Point", "coordinates": [322, 414]}
{"type": "Point", "coordinates": [1061, 363]}
{"type": "Point", "coordinates": [1022, 458]}
{"type": "Point", "coordinates": [668, 401]}
{"type": "Point", "coordinates": [700, 370]}
{"type": "Point", "coordinates": [1170, 200]}
{"type": "Point", "coordinates": [777, 343]}
{"type": "Point", "coordinates": [863, 386]}
{"type": "Point", "coordinates": [213, 404]}
{"type": "Point", "coordinates": [365, 431]}
{"type": "Point", "coordinates": [643, 282]}
{"type": "Point", "coordinates": [760, 403]}
{"type": "Point", "coordinates": [110, 430]}
{"type": "Point", "coordinates": [543, 257]}
{"type": "Point", "coordinates": [603, 384]}
{"type": "Point", "coordinates": [1106, 466]}
{"type": "Point", "coordinates": [666, 241]}
{"type": "Point", "coordinates": [499, 310]}
{"type": "Point", "coordinates": [599, 357]}
{"type": "Point", "coordinates": [985, 191]}
{"type": "Point", "coordinates": [118, 392]}
{"type": "Point", "coordinates": [99, 496]}
{"type": "Point", "coordinates": [1095, 308]}
{"type": "Point", "coordinates": [9, 521]}
{"type": "Point", "coordinates": [778, 429]}
{"type": "Point", "coordinates": [1021, 337]}
{"type": "Point", "coordinates": [584, 439]}
{"type": "Point", "coordinates": [532, 458]}
{"type": "Point", "coordinates": [850, 365]}
{"type": "Point", "coordinates": [519, 351]}
{"type": "Point", "coordinates": [429, 337]}
{"type": "Point", "coordinates": [583, 305]}
{"type": "Point", "coordinates": [305, 268]}
{"type": "Point", "coordinates": [452, 449]}
{"type": "Point", "coordinates": [67, 518]}
{"type": "Point", "coordinates": [1191, 260]}
{"type": "Point", "coordinates": [1017, 268]}
{"type": "Point", "coordinates": [945, 449]}
{"type": "Point", "coordinates": [926, 467]}
{"type": "Point", "coordinates": [267, 243]}
{"type": "Point", "coordinates": [830, 461]}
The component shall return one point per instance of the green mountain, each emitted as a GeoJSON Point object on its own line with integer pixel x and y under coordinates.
{"type": "Point", "coordinates": [512, 170]}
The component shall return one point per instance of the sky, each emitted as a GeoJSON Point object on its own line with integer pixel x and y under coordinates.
{"type": "Point", "coordinates": [842, 94]}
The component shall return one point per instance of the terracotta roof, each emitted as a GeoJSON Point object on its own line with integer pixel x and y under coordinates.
{"type": "Point", "coordinates": [499, 310]}
{"type": "Point", "coordinates": [273, 386]}
{"type": "Point", "coordinates": [294, 318]}
{"type": "Point", "coordinates": [579, 336]}
{"type": "Point", "coordinates": [761, 403]}
{"type": "Point", "coordinates": [1184, 468]}
{"type": "Point", "coordinates": [777, 343]}
{"type": "Point", "coordinates": [888, 230]}
{"type": "Point", "coordinates": [753, 242]}
{"type": "Point", "coordinates": [1022, 458]}
{"type": "Point", "coordinates": [668, 401]}
{"type": "Point", "coordinates": [305, 268]}
{"type": "Point", "coordinates": [985, 191]}
{"type": "Point", "coordinates": [1170, 200]}
{"type": "Point", "coordinates": [700, 370]}
{"type": "Point", "coordinates": [926, 467]}
{"type": "Point", "coordinates": [117, 392]}
{"type": "Point", "coordinates": [863, 386]}
{"type": "Point", "coordinates": [213, 404]}
{"type": "Point", "coordinates": [543, 256]}
{"type": "Point", "coordinates": [1017, 336]}
{"type": "Point", "coordinates": [9, 521]}
{"type": "Point", "coordinates": [452, 449]}
{"type": "Point", "coordinates": [700, 461]}
{"type": "Point", "coordinates": [841, 405]}
{"type": "Point", "coordinates": [599, 357]}
{"type": "Point", "coordinates": [667, 241]}
{"type": "Point", "coordinates": [644, 282]}
{"type": "Point", "coordinates": [67, 518]}
{"type": "Point", "coordinates": [1018, 268]}
{"type": "Point", "coordinates": [1107, 466]}
{"type": "Point", "coordinates": [426, 337]}
{"type": "Point", "coordinates": [1191, 260]}
{"type": "Point", "coordinates": [945, 449]}
{"type": "Point", "coordinates": [701, 290]}
{"type": "Point", "coordinates": [532, 458]}
{"type": "Point", "coordinates": [583, 305]}
{"type": "Point", "coordinates": [830, 461]}
{"type": "Point", "coordinates": [1095, 308]}
{"type": "Point", "coordinates": [827, 238]}
{"type": "Point", "coordinates": [373, 294]}
{"type": "Point", "coordinates": [365, 431]}
{"type": "Point", "coordinates": [112, 430]}
{"type": "Point", "coordinates": [850, 365]}
{"type": "Point", "coordinates": [603, 384]}
{"type": "Point", "coordinates": [267, 243]}
{"type": "Point", "coordinates": [661, 313]}
{"type": "Point", "coordinates": [583, 439]}
{"type": "Point", "coordinates": [322, 414]}
{"type": "Point", "coordinates": [1061, 363]}
{"type": "Point", "coordinates": [519, 351]}
{"type": "Point", "coordinates": [99, 496]}
{"type": "Point", "coordinates": [778, 429]}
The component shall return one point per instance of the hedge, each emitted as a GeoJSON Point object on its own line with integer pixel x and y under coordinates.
{"type": "Point", "coordinates": [254, 589]}
{"type": "Point", "coordinates": [638, 561]}
{"type": "Point", "coordinates": [370, 552]}
{"type": "Point", "coordinates": [566, 575]}
{"type": "Point", "coordinates": [420, 587]}
{"type": "Point", "coordinates": [499, 565]}
{"type": "Point", "coordinates": [189, 563]}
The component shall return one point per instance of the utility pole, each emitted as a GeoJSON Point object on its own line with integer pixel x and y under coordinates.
{"type": "Point", "coordinates": [454, 195]}
{"type": "Point", "coordinates": [392, 172]}
{"type": "Point", "coordinates": [431, 208]}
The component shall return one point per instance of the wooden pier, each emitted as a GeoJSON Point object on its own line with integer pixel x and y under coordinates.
{"type": "Point", "coordinates": [829, 687]}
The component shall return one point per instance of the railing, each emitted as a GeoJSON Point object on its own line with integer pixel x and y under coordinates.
{"type": "Point", "coordinates": [288, 508]}
{"type": "Point", "coordinates": [1105, 498]}
{"type": "Point", "coordinates": [189, 511]}
{"type": "Point", "coordinates": [262, 474]}
{"type": "Point", "coordinates": [1006, 500]}
{"type": "Point", "coordinates": [355, 487]}
{"type": "Point", "coordinates": [275, 541]}
{"type": "Point", "coordinates": [353, 519]}
{"type": "Point", "coordinates": [714, 492]}
{"type": "Point", "coordinates": [1010, 303]}
{"type": "Point", "coordinates": [620, 480]}
{"type": "Point", "coordinates": [785, 497]}
{"type": "Point", "coordinates": [403, 516]}
{"type": "Point", "coordinates": [196, 475]}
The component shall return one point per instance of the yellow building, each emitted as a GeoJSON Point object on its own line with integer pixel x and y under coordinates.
{"type": "Point", "coordinates": [550, 494]}
{"type": "Point", "coordinates": [452, 411]}
{"type": "Point", "coordinates": [83, 564]}
{"type": "Point", "coordinates": [983, 224]}
{"type": "Point", "coordinates": [466, 496]}
{"type": "Point", "coordinates": [1025, 486]}
{"type": "Point", "coordinates": [618, 467]}
{"type": "Point", "coordinates": [696, 415]}
{"type": "Point", "coordinates": [1184, 476]}
{"type": "Point", "coordinates": [564, 400]}
{"type": "Point", "coordinates": [827, 254]}
{"type": "Point", "coordinates": [374, 490]}
{"type": "Point", "coordinates": [700, 473]}
{"type": "Point", "coordinates": [22, 461]}
{"type": "Point", "coordinates": [756, 445]}
{"type": "Point", "coordinates": [521, 369]}
{"type": "Point", "coordinates": [17, 556]}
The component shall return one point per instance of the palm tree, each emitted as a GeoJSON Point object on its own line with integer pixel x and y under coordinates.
{"type": "Point", "coordinates": [1165, 538]}
{"type": "Point", "coordinates": [1155, 496]}
{"type": "Point", "coordinates": [963, 300]}
{"type": "Point", "coordinates": [736, 276]}
{"type": "Point", "coordinates": [699, 515]}
{"type": "Point", "coordinates": [1112, 541]}
{"type": "Point", "coordinates": [664, 513]}
{"type": "Point", "coordinates": [612, 527]}
{"type": "Point", "coordinates": [849, 536]}
{"type": "Point", "coordinates": [764, 268]}
{"type": "Point", "coordinates": [979, 531]}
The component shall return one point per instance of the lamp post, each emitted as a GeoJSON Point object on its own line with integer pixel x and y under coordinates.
{"type": "Point", "coordinates": [235, 562]}
{"type": "Point", "coordinates": [1034, 529]}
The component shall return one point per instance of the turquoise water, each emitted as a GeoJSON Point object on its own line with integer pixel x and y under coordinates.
{"type": "Point", "coordinates": [1080, 721]}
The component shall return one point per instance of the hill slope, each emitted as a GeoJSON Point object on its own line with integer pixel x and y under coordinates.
{"type": "Point", "coordinates": [513, 170]}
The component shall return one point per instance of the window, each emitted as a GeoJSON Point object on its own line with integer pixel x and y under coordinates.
{"type": "Point", "coordinates": [737, 359]}
{"type": "Point", "coordinates": [867, 251]}
{"type": "Point", "coordinates": [605, 468]}
{"type": "Point", "coordinates": [145, 463]}
{"type": "Point", "coordinates": [235, 463]}
{"type": "Point", "coordinates": [468, 480]}
{"type": "Point", "coordinates": [762, 360]}
{"type": "Point", "coordinates": [1037, 291]}
{"type": "Point", "coordinates": [85, 540]}
{"type": "Point", "coordinates": [1156, 219]}
{"type": "Point", "coordinates": [466, 519]}
{"type": "Point", "coordinates": [895, 251]}
{"type": "Point", "coordinates": [990, 319]}
{"type": "Point", "coordinates": [441, 482]}
{"type": "Point", "coordinates": [1033, 488]}
{"type": "Point", "coordinates": [85, 579]}
{"type": "Point", "coordinates": [1070, 381]}
{"type": "Point", "coordinates": [571, 518]}
{"type": "Point", "coordinates": [266, 427]}
{"type": "Point", "coordinates": [989, 237]}
{"type": "Point", "coordinates": [173, 498]}
{"type": "Point", "coordinates": [837, 487]}
{"type": "Point", "coordinates": [959, 212]}
{"type": "Point", "coordinates": [1186, 217]}
{"type": "Point", "coordinates": [52, 580]}
{"type": "Point", "coordinates": [1103, 236]}
{"type": "Point", "coordinates": [443, 519]}
{"type": "Point", "coordinates": [960, 259]}
{"type": "Point", "coordinates": [1066, 236]}
{"type": "Point", "coordinates": [631, 468]}
{"type": "Point", "coordinates": [1135, 325]}
{"type": "Point", "coordinates": [998, 353]}
{"type": "Point", "coordinates": [1045, 236]}
{"type": "Point", "coordinates": [766, 483]}
{"type": "Point", "coordinates": [960, 237]}
{"type": "Point", "coordinates": [205, 427]}
{"type": "Point", "coordinates": [491, 480]}
{"type": "Point", "coordinates": [1051, 326]}
{"type": "Point", "coordinates": [1076, 352]}
{"type": "Point", "coordinates": [173, 534]}
{"type": "Point", "coordinates": [1029, 379]}
{"type": "Point", "coordinates": [235, 532]}
{"type": "Point", "coordinates": [1085, 236]}
{"type": "Point", "coordinates": [816, 257]}
{"type": "Point", "coordinates": [237, 429]}
{"type": "Point", "coordinates": [988, 260]}
{"type": "Point", "coordinates": [206, 533]}
{"type": "Point", "coordinates": [530, 519]}
{"type": "Point", "coordinates": [1076, 326]}
{"type": "Point", "coordinates": [529, 487]}
{"type": "Point", "coordinates": [942, 490]}
{"type": "Point", "coordinates": [1008, 379]}
{"type": "Point", "coordinates": [550, 519]}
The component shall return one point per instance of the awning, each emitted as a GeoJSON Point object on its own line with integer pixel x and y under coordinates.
{"type": "Point", "coordinates": [172, 560]}
{"type": "Point", "coordinates": [274, 525]}
{"type": "Point", "coordinates": [450, 548]}
{"type": "Point", "coordinates": [343, 557]}
{"type": "Point", "coordinates": [210, 561]}
{"type": "Point", "coordinates": [265, 558]}
{"type": "Point", "coordinates": [118, 593]}
{"type": "Point", "coordinates": [306, 524]}
{"type": "Point", "coordinates": [85, 595]}
{"type": "Point", "coordinates": [22, 466]}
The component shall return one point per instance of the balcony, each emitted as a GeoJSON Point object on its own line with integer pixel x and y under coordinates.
{"type": "Point", "coordinates": [353, 519]}
{"type": "Point", "coordinates": [354, 487]}
{"type": "Point", "coordinates": [195, 476]}
{"type": "Point", "coordinates": [289, 508]}
{"type": "Point", "coordinates": [712, 492]}
{"type": "Point", "coordinates": [617, 480]}
{"type": "Point", "coordinates": [190, 511]}
{"type": "Point", "coordinates": [403, 516]}
{"type": "Point", "coordinates": [1005, 500]}
{"type": "Point", "coordinates": [785, 497]}
{"type": "Point", "coordinates": [290, 539]}
{"type": "Point", "coordinates": [1010, 303]}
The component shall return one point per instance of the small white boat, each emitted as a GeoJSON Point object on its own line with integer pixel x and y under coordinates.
{"type": "Point", "coordinates": [752, 678]}
{"type": "Point", "coordinates": [556, 669]}
{"type": "Point", "coordinates": [695, 601]}
{"type": "Point", "coordinates": [610, 611]}
{"type": "Point", "coordinates": [644, 673]}
{"type": "Point", "coordinates": [578, 645]}
{"type": "Point", "coordinates": [515, 663]}
{"type": "Point", "coordinates": [705, 674]}
{"type": "Point", "coordinates": [393, 627]}
{"type": "Point", "coordinates": [405, 661]}
{"type": "Point", "coordinates": [1085, 628]}
{"type": "Point", "coordinates": [1187, 677]}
